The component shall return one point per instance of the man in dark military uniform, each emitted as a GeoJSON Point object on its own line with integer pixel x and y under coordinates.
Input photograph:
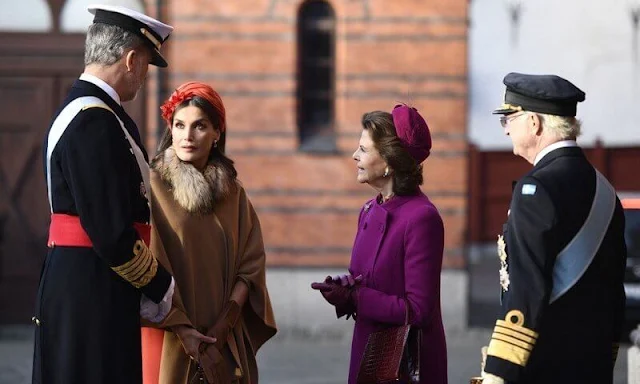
{"type": "Point", "coordinates": [99, 276]}
{"type": "Point", "coordinates": [562, 251]}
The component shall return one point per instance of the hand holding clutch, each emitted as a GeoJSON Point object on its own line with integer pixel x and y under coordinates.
{"type": "Point", "coordinates": [214, 367]}
{"type": "Point", "coordinates": [212, 361]}
{"type": "Point", "coordinates": [191, 340]}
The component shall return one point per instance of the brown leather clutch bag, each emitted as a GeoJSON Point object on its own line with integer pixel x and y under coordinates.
{"type": "Point", "coordinates": [212, 362]}
{"type": "Point", "coordinates": [213, 366]}
{"type": "Point", "coordinates": [391, 355]}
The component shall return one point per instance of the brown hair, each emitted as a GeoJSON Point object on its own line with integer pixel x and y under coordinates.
{"type": "Point", "coordinates": [407, 173]}
{"type": "Point", "coordinates": [216, 154]}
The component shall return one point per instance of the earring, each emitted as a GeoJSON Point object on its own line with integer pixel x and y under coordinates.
{"type": "Point", "coordinates": [386, 172]}
{"type": "Point", "coordinates": [215, 143]}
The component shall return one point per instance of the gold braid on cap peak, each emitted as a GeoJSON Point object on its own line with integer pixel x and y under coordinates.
{"type": "Point", "coordinates": [511, 106]}
{"type": "Point", "coordinates": [151, 38]}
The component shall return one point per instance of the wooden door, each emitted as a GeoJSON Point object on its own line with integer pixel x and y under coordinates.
{"type": "Point", "coordinates": [26, 107]}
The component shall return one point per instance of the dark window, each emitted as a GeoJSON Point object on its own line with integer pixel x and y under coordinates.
{"type": "Point", "coordinates": [316, 72]}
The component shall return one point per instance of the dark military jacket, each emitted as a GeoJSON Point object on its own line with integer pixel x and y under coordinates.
{"type": "Point", "coordinates": [87, 311]}
{"type": "Point", "coordinates": [574, 338]}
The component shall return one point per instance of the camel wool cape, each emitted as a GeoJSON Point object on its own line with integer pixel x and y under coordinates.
{"type": "Point", "coordinates": [207, 234]}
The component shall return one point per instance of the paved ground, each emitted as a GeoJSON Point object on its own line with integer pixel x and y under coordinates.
{"type": "Point", "coordinates": [286, 361]}
{"type": "Point", "coordinates": [301, 357]}
{"type": "Point", "coordinates": [303, 363]}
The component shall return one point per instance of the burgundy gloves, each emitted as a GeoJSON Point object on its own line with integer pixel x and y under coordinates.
{"type": "Point", "coordinates": [341, 292]}
{"type": "Point", "coordinates": [335, 294]}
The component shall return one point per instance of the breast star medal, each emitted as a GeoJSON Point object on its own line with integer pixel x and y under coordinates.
{"type": "Point", "coordinates": [502, 254]}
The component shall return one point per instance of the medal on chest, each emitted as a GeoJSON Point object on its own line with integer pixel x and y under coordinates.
{"type": "Point", "coordinates": [502, 254]}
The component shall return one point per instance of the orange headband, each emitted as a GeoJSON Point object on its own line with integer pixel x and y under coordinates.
{"type": "Point", "coordinates": [186, 92]}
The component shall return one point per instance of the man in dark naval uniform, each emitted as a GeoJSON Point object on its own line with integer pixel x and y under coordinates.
{"type": "Point", "coordinates": [99, 276]}
{"type": "Point", "coordinates": [562, 252]}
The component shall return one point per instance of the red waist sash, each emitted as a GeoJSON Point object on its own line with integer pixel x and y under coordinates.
{"type": "Point", "coordinates": [66, 231]}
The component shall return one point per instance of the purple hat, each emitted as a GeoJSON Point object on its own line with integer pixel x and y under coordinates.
{"type": "Point", "coordinates": [412, 131]}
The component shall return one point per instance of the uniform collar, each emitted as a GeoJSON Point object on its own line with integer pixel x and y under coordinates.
{"type": "Point", "coordinates": [102, 85]}
{"type": "Point", "coordinates": [552, 147]}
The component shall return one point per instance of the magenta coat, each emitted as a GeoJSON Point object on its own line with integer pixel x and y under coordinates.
{"type": "Point", "coordinates": [398, 251]}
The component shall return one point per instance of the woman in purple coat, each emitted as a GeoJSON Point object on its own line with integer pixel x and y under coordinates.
{"type": "Point", "coordinates": [397, 253]}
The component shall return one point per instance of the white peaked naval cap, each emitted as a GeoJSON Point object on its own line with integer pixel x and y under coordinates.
{"type": "Point", "coordinates": [153, 32]}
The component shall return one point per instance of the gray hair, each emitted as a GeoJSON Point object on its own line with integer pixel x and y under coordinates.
{"type": "Point", "coordinates": [566, 127]}
{"type": "Point", "coordinates": [106, 44]}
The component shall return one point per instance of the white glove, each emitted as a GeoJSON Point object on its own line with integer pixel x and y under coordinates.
{"type": "Point", "coordinates": [157, 312]}
{"type": "Point", "coordinates": [488, 378]}
{"type": "Point", "coordinates": [165, 305]}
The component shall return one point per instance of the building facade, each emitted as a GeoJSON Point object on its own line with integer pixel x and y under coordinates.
{"type": "Point", "coordinates": [296, 77]}
{"type": "Point", "coordinates": [595, 45]}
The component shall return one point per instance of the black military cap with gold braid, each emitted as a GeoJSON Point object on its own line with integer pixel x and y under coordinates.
{"type": "Point", "coordinates": [548, 94]}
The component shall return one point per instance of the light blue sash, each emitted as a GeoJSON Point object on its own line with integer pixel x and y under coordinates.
{"type": "Point", "coordinates": [575, 258]}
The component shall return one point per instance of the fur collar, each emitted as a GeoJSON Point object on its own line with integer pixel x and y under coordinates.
{"type": "Point", "coordinates": [195, 191]}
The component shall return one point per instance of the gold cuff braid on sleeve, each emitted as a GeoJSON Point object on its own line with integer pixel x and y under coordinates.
{"type": "Point", "coordinates": [141, 268]}
{"type": "Point", "coordinates": [511, 341]}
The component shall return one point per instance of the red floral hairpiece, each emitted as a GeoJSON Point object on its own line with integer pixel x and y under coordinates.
{"type": "Point", "coordinates": [169, 106]}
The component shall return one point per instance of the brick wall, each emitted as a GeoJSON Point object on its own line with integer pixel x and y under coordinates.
{"type": "Point", "coordinates": [412, 51]}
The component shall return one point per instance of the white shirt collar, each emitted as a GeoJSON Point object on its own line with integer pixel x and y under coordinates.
{"type": "Point", "coordinates": [102, 85]}
{"type": "Point", "coordinates": [553, 147]}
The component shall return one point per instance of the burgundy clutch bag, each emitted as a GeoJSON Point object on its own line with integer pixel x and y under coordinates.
{"type": "Point", "coordinates": [391, 356]}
